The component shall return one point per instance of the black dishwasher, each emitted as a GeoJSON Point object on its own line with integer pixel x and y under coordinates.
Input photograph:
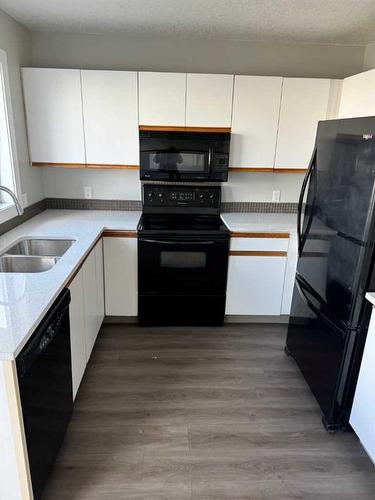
{"type": "Point", "coordinates": [45, 382]}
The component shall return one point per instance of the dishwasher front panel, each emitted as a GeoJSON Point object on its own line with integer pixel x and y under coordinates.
{"type": "Point", "coordinates": [45, 383]}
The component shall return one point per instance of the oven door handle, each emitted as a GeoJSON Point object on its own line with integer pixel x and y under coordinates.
{"type": "Point", "coordinates": [179, 242]}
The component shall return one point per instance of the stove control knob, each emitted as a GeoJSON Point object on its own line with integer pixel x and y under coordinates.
{"type": "Point", "coordinates": [150, 195]}
{"type": "Point", "coordinates": [161, 197]}
{"type": "Point", "coordinates": [201, 196]}
{"type": "Point", "coordinates": [212, 196]}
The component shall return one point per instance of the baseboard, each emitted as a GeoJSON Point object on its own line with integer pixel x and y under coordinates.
{"type": "Point", "coordinates": [234, 318]}
{"type": "Point", "coordinates": [120, 319]}
{"type": "Point", "coordinates": [283, 319]}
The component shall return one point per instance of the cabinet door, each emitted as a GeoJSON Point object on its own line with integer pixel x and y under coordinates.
{"type": "Point", "coordinates": [358, 95]}
{"type": "Point", "coordinates": [255, 285]}
{"type": "Point", "coordinates": [54, 115]}
{"type": "Point", "coordinates": [121, 276]}
{"type": "Point", "coordinates": [290, 274]}
{"type": "Point", "coordinates": [99, 283]}
{"type": "Point", "coordinates": [304, 102]}
{"type": "Point", "coordinates": [90, 302]}
{"type": "Point", "coordinates": [77, 331]}
{"type": "Point", "coordinates": [209, 100]}
{"type": "Point", "coordinates": [362, 417]}
{"type": "Point", "coordinates": [256, 107]}
{"type": "Point", "coordinates": [162, 98]}
{"type": "Point", "coordinates": [110, 110]}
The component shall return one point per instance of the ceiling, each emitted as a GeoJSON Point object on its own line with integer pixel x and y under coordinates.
{"type": "Point", "coordinates": [310, 21]}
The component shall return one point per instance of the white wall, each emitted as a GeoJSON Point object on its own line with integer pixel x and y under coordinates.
{"type": "Point", "coordinates": [111, 51]}
{"type": "Point", "coordinates": [249, 186]}
{"type": "Point", "coordinates": [124, 185]}
{"type": "Point", "coordinates": [16, 42]}
{"type": "Point", "coordinates": [369, 57]}
{"type": "Point", "coordinates": [106, 184]}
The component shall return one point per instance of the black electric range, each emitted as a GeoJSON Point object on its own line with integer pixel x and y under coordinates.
{"type": "Point", "coordinates": [183, 248]}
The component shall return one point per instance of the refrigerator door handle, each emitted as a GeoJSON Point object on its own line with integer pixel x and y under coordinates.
{"type": "Point", "coordinates": [300, 201]}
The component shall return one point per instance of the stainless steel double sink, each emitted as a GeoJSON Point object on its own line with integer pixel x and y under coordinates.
{"type": "Point", "coordinates": [33, 255]}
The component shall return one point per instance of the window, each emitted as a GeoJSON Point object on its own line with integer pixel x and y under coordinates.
{"type": "Point", "coordinates": [8, 153]}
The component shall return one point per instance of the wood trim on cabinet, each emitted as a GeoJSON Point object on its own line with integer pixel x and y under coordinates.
{"type": "Point", "coordinates": [119, 234]}
{"type": "Point", "coordinates": [170, 129]}
{"type": "Point", "coordinates": [251, 169]}
{"type": "Point", "coordinates": [275, 170]}
{"type": "Point", "coordinates": [63, 165]}
{"type": "Point", "coordinates": [17, 427]}
{"type": "Point", "coordinates": [257, 253]}
{"type": "Point", "coordinates": [112, 166]}
{"type": "Point", "coordinates": [85, 165]}
{"type": "Point", "coordinates": [166, 128]}
{"type": "Point", "coordinates": [279, 170]}
{"type": "Point", "coordinates": [260, 235]}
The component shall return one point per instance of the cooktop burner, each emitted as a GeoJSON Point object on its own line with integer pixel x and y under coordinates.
{"type": "Point", "coordinates": [177, 224]}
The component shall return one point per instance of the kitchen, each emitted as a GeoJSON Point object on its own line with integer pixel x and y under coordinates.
{"type": "Point", "coordinates": [167, 195]}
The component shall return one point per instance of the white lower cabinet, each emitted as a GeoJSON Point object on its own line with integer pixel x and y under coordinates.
{"type": "Point", "coordinates": [99, 269]}
{"type": "Point", "coordinates": [121, 276]}
{"type": "Point", "coordinates": [290, 274]}
{"type": "Point", "coordinates": [255, 285]}
{"type": "Point", "coordinates": [77, 331]}
{"type": "Point", "coordinates": [86, 311]}
{"type": "Point", "coordinates": [90, 302]}
{"type": "Point", "coordinates": [362, 417]}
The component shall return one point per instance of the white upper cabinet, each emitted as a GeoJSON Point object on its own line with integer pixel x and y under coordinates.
{"type": "Point", "coordinates": [110, 110]}
{"type": "Point", "coordinates": [162, 98]}
{"type": "Point", "coordinates": [304, 102]}
{"type": "Point", "coordinates": [209, 100]}
{"type": "Point", "coordinates": [358, 95]}
{"type": "Point", "coordinates": [54, 115]}
{"type": "Point", "coordinates": [256, 106]}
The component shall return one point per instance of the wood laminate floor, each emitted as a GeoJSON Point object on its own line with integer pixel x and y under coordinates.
{"type": "Point", "coordinates": [202, 413]}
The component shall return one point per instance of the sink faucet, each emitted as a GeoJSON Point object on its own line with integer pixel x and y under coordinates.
{"type": "Point", "coordinates": [14, 198]}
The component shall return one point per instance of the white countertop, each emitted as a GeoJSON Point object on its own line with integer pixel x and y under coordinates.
{"type": "Point", "coordinates": [25, 298]}
{"type": "Point", "coordinates": [262, 222]}
{"type": "Point", "coordinates": [370, 296]}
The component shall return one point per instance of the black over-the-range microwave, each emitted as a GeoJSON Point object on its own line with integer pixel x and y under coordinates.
{"type": "Point", "coordinates": [184, 156]}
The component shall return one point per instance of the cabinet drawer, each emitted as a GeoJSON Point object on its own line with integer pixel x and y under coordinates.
{"type": "Point", "coordinates": [259, 244]}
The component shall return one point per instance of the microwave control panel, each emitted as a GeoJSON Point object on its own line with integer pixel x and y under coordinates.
{"type": "Point", "coordinates": [181, 197]}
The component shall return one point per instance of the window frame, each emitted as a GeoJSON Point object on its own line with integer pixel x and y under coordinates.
{"type": "Point", "coordinates": [8, 209]}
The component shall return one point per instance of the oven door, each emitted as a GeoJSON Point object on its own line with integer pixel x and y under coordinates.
{"type": "Point", "coordinates": [182, 265]}
{"type": "Point", "coordinates": [175, 164]}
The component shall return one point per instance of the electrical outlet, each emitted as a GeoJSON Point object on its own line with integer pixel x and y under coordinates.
{"type": "Point", "coordinates": [24, 200]}
{"type": "Point", "coordinates": [275, 195]}
{"type": "Point", "coordinates": [88, 192]}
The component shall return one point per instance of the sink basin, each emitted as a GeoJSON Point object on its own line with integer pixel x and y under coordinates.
{"type": "Point", "coordinates": [26, 264]}
{"type": "Point", "coordinates": [40, 247]}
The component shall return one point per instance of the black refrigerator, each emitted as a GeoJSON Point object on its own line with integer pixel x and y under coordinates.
{"type": "Point", "coordinates": [336, 235]}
